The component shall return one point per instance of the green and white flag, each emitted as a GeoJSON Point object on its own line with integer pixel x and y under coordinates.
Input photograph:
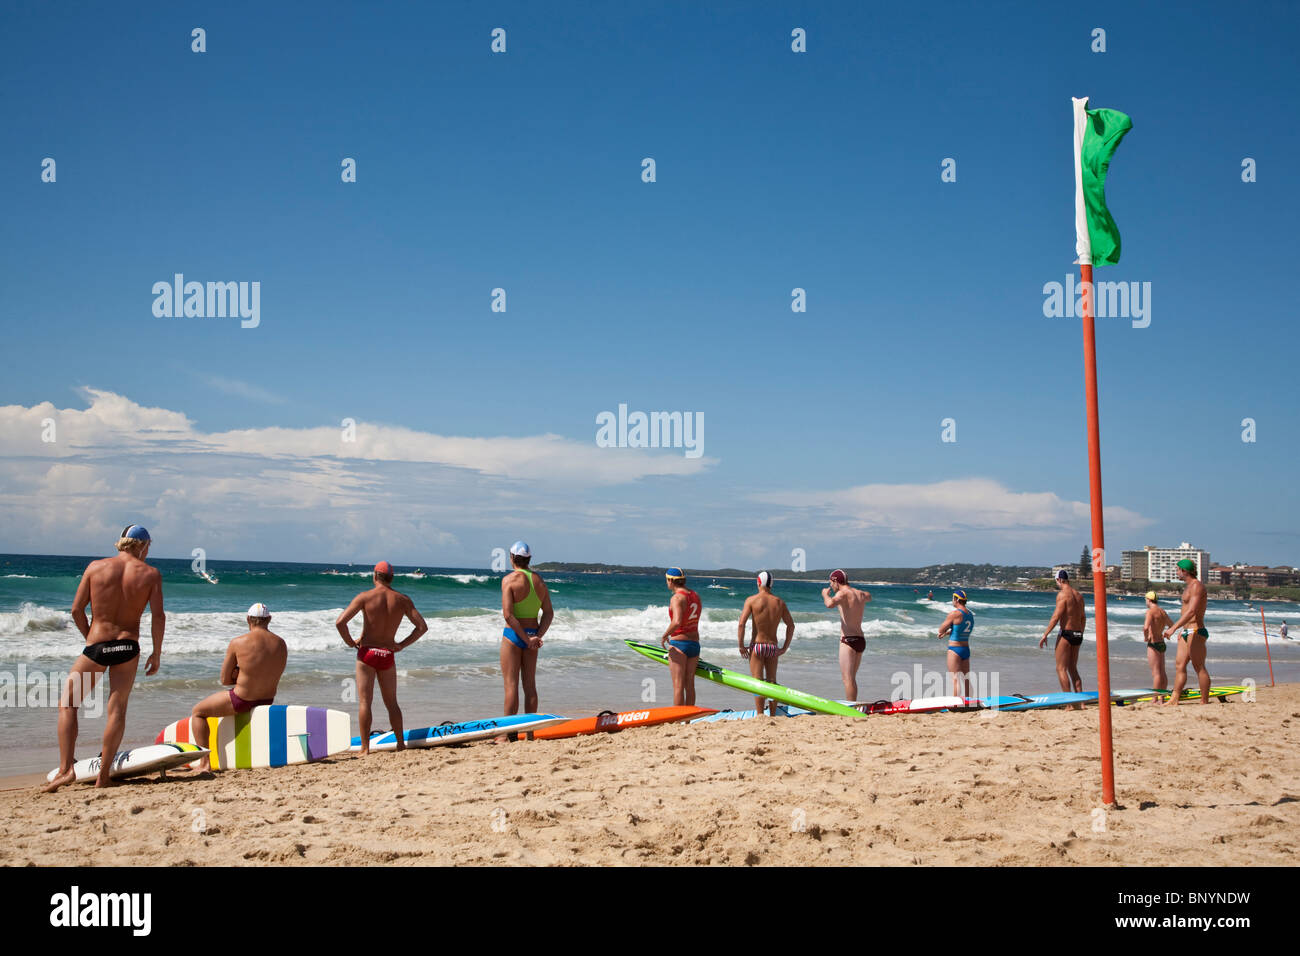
{"type": "Point", "coordinates": [1097, 134]}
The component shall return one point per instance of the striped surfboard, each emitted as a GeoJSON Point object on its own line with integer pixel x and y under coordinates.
{"type": "Point", "coordinates": [270, 736]}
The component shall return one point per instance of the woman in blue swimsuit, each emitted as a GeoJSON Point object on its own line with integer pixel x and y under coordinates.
{"type": "Point", "coordinates": [960, 622]}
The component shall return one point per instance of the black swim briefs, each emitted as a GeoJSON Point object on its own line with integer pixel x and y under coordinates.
{"type": "Point", "coordinates": [108, 653]}
{"type": "Point", "coordinates": [1074, 637]}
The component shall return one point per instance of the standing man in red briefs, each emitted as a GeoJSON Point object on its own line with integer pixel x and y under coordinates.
{"type": "Point", "coordinates": [526, 607]}
{"type": "Point", "coordinates": [252, 669]}
{"type": "Point", "coordinates": [682, 638]}
{"type": "Point", "coordinates": [382, 612]}
{"type": "Point", "coordinates": [851, 603]}
{"type": "Point", "coordinates": [117, 590]}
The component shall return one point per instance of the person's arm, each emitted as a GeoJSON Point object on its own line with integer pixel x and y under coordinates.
{"type": "Point", "coordinates": [866, 597]}
{"type": "Point", "coordinates": [348, 614]}
{"type": "Point", "coordinates": [676, 607]}
{"type": "Point", "coordinates": [745, 613]}
{"type": "Point", "coordinates": [508, 608]}
{"type": "Point", "coordinates": [158, 622]}
{"type": "Point", "coordinates": [79, 605]}
{"type": "Point", "coordinates": [230, 667]}
{"type": "Point", "coordinates": [413, 615]}
{"type": "Point", "coordinates": [789, 628]}
{"type": "Point", "coordinates": [548, 612]}
{"type": "Point", "coordinates": [829, 599]}
{"type": "Point", "coordinates": [1060, 609]}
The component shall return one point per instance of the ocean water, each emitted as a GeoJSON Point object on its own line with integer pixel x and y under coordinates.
{"type": "Point", "coordinates": [452, 673]}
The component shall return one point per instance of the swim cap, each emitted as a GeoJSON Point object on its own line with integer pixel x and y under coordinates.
{"type": "Point", "coordinates": [1062, 575]}
{"type": "Point", "coordinates": [1188, 565]}
{"type": "Point", "coordinates": [1151, 595]}
{"type": "Point", "coordinates": [260, 610]}
{"type": "Point", "coordinates": [135, 531]}
{"type": "Point", "coordinates": [673, 574]}
{"type": "Point", "coordinates": [959, 594]}
{"type": "Point", "coordinates": [520, 550]}
{"type": "Point", "coordinates": [764, 579]}
{"type": "Point", "coordinates": [839, 577]}
{"type": "Point", "coordinates": [384, 568]}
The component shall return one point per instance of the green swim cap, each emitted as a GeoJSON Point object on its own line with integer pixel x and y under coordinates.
{"type": "Point", "coordinates": [1188, 565]}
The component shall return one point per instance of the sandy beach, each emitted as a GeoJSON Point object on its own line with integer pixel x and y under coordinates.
{"type": "Point", "coordinates": [1197, 785]}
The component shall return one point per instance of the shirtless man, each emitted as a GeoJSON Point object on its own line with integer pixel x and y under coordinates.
{"type": "Point", "coordinates": [851, 603]}
{"type": "Point", "coordinates": [1071, 617]}
{"type": "Point", "coordinates": [252, 668]}
{"type": "Point", "coordinates": [1153, 629]}
{"type": "Point", "coordinates": [1191, 647]}
{"type": "Point", "coordinates": [382, 612]}
{"type": "Point", "coordinates": [117, 590]}
{"type": "Point", "coordinates": [526, 608]}
{"type": "Point", "coordinates": [767, 610]}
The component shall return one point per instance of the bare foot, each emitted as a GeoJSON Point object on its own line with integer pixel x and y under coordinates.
{"type": "Point", "coordinates": [102, 783]}
{"type": "Point", "coordinates": [61, 780]}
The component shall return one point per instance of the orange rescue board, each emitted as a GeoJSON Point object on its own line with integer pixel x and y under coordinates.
{"type": "Point", "coordinates": [608, 721]}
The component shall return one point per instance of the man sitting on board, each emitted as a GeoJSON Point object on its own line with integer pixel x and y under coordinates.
{"type": "Point", "coordinates": [383, 610]}
{"type": "Point", "coordinates": [767, 611]}
{"type": "Point", "coordinates": [252, 668]}
{"type": "Point", "coordinates": [851, 603]}
{"type": "Point", "coordinates": [117, 590]}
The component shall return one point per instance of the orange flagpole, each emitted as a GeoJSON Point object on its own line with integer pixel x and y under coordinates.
{"type": "Point", "coordinates": [1098, 538]}
{"type": "Point", "coordinates": [1266, 650]}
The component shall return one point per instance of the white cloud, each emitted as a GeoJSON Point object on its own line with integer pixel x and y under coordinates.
{"type": "Point", "coordinates": [286, 493]}
{"type": "Point", "coordinates": [956, 506]}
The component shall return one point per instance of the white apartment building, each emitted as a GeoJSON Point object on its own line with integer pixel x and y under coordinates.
{"type": "Point", "coordinates": [1162, 563]}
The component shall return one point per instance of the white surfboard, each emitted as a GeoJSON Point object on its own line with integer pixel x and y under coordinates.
{"type": "Point", "coordinates": [139, 760]}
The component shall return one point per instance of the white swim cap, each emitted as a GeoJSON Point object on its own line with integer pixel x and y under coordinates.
{"type": "Point", "coordinates": [260, 610]}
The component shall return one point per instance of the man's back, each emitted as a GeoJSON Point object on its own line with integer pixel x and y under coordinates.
{"type": "Point", "coordinates": [851, 603]}
{"type": "Point", "coordinates": [1072, 613]}
{"type": "Point", "coordinates": [766, 611]}
{"type": "Point", "coordinates": [383, 610]}
{"type": "Point", "coordinates": [260, 656]}
{"type": "Point", "coordinates": [119, 592]}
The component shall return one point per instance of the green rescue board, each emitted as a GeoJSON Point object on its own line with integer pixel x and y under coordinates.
{"type": "Point", "coordinates": [752, 685]}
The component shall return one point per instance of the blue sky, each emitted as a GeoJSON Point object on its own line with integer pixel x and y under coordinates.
{"type": "Point", "coordinates": [522, 170]}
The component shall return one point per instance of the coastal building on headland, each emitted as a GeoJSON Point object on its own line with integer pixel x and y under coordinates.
{"type": "Point", "coordinates": [1254, 575]}
{"type": "Point", "coordinates": [1161, 564]}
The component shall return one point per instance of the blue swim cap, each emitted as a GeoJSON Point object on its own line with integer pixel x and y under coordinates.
{"type": "Point", "coordinates": [136, 532]}
{"type": "Point", "coordinates": [674, 573]}
{"type": "Point", "coordinates": [959, 594]}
